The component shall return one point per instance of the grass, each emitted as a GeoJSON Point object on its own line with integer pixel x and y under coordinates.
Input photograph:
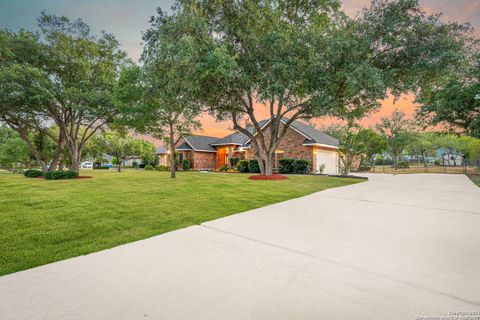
{"type": "Point", "coordinates": [475, 178]}
{"type": "Point", "coordinates": [45, 221]}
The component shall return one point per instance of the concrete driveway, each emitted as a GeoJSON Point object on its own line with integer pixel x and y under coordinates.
{"type": "Point", "coordinates": [395, 247]}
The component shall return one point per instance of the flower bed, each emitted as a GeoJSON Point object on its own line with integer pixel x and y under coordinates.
{"type": "Point", "coordinates": [272, 177]}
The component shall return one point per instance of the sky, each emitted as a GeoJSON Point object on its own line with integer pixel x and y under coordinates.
{"type": "Point", "coordinates": [126, 19]}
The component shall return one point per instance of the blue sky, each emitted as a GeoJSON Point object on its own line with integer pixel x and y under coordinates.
{"type": "Point", "coordinates": [126, 19]}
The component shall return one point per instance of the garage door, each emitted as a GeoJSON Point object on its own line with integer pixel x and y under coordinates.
{"type": "Point", "coordinates": [329, 159]}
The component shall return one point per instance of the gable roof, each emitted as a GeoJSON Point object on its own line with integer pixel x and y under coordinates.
{"type": "Point", "coordinates": [238, 137]}
{"type": "Point", "coordinates": [161, 150]}
{"type": "Point", "coordinates": [312, 135]}
{"type": "Point", "coordinates": [315, 136]}
{"type": "Point", "coordinates": [198, 143]}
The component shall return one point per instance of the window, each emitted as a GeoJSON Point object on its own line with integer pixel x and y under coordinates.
{"type": "Point", "coordinates": [279, 155]}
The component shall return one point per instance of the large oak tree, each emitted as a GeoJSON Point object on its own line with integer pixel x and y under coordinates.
{"type": "Point", "coordinates": [307, 59]}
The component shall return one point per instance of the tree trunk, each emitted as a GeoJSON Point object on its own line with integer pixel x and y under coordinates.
{"type": "Point", "coordinates": [119, 168]}
{"type": "Point", "coordinates": [268, 165]}
{"type": "Point", "coordinates": [172, 153]}
{"type": "Point", "coordinates": [57, 158]}
{"type": "Point", "coordinates": [395, 162]}
{"type": "Point", "coordinates": [75, 157]}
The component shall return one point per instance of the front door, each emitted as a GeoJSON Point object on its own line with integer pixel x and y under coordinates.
{"type": "Point", "coordinates": [221, 156]}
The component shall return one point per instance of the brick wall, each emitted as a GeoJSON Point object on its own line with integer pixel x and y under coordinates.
{"type": "Point", "coordinates": [291, 144]}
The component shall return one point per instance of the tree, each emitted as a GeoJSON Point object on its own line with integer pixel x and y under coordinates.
{"type": "Point", "coordinates": [355, 143]}
{"type": "Point", "coordinates": [373, 144]}
{"type": "Point", "coordinates": [122, 146]}
{"type": "Point", "coordinates": [13, 150]}
{"type": "Point", "coordinates": [455, 104]}
{"type": "Point", "coordinates": [83, 70]}
{"type": "Point", "coordinates": [158, 97]}
{"type": "Point", "coordinates": [306, 59]}
{"type": "Point", "coordinates": [423, 145]}
{"type": "Point", "coordinates": [396, 130]}
{"type": "Point", "coordinates": [25, 93]}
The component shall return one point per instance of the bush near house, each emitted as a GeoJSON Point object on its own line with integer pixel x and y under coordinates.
{"type": "Point", "coordinates": [234, 161]}
{"type": "Point", "coordinates": [59, 175]}
{"type": "Point", "coordinates": [33, 173]}
{"type": "Point", "coordinates": [301, 166]}
{"type": "Point", "coordinates": [243, 166]}
{"type": "Point", "coordinates": [148, 167]}
{"type": "Point", "coordinates": [253, 166]}
{"type": "Point", "coordinates": [298, 166]}
{"type": "Point", "coordinates": [186, 165]}
{"type": "Point", "coordinates": [223, 168]}
{"type": "Point", "coordinates": [286, 165]}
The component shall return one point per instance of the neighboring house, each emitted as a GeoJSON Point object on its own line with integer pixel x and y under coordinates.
{"type": "Point", "coordinates": [302, 141]}
{"type": "Point", "coordinates": [133, 162]}
{"type": "Point", "coordinates": [162, 155]}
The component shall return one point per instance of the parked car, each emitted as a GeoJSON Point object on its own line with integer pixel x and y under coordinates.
{"type": "Point", "coordinates": [86, 165]}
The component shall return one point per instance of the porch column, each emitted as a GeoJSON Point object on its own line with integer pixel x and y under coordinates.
{"type": "Point", "coordinates": [230, 155]}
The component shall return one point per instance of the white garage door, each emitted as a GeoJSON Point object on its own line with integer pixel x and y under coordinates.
{"type": "Point", "coordinates": [329, 159]}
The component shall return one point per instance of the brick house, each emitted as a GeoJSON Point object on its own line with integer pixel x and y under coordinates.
{"type": "Point", "coordinates": [302, 141]}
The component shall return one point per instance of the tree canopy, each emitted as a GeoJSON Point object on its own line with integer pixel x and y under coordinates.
{"type": "Point", "coordinates": [307, 59]}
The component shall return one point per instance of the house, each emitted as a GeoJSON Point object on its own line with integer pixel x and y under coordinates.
{"type": "Point", "coordinates": [162, 155]}
{"type": "Point", "coordinates": [302, 141]}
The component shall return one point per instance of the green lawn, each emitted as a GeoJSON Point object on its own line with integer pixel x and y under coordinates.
{"type": "Point", "coordinates": [475, 178]}
{"type": "Point", "coordinates": [45, 221]}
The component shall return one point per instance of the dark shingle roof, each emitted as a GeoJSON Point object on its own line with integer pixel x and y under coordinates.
{"type": "Point", "coordinates": [200, 143]}
{"type": "Point", "coordinates": [206, 143]}
{"type": "Point", "coordinates": [316, 135]}
{"type": "Point", "coordinates": [238, 137]}
{"type": "Point", "coordinates": [161, 150]}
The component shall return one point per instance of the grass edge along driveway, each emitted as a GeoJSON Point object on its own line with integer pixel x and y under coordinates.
{"type": "Point", "coordinates": [45, 221]}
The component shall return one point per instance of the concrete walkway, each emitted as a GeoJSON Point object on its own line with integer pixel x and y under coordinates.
{"type": "Point", "coordinates": [395, 247]}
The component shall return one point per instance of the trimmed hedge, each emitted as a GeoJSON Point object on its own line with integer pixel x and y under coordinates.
{"type": "Point", "coordinates": [32, 173]}
{"type": "Point", "coordinates": [286, 165]}
{"type": "Point", "coordinates": [298, 166]}
{"type": "Point", "coordinates": [301, 166]}
{"type": "Point", "coordinates": [253, 166]}
{"type": "Point", "coordinates": [60, 175]}
{"type": "Point", "coordinates": [242, 166]}
{"type": "Point", "coordinates": [148, 167]}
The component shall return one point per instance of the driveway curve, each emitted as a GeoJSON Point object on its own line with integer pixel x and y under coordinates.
{"type": "Point", "coordinates": [395, 247]}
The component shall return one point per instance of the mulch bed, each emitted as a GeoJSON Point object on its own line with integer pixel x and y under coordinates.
{"type": "Point", "coordinates": [272, 177]}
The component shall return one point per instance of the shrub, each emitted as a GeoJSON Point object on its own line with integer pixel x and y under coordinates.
{"type": "Point", "coordinates": [403, 165]}
{"type": "Point", "coordinates": [59, 175]}
{"type": "Point", "coordinates": [437, 162]}
{"type": "Point", "coordinates": [186, 165]}
{"type": "Point", "coordinates": [33, 173]}
{"type": "Point", "coordinates": [301, 166]}
{"type": "Point", "coordinates": [223, 168]}
{"type": "Point", "coordinates": [242, 166]}
{"type": "Point", "coordinates": [234, 161]}
{"type": "Point", "coordinates": [286, 165]}
{"type": "Point", "coordinates": [148, 167]}
{"type": "Point", "coordinates": [253, 166]}
{"type": "Point", "coordinates": [102, 168]}
{"type": "Point", "coordinates": [380, 161]}
{"type": "Point", "coordinates": [321, 168]}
